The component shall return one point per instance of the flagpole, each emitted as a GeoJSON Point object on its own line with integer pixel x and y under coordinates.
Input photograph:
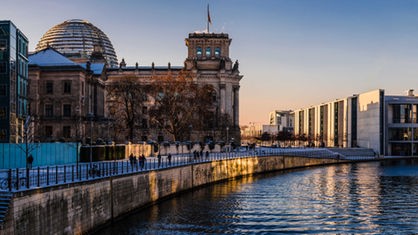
{"type": "Point", "coordinates": [208, 20]}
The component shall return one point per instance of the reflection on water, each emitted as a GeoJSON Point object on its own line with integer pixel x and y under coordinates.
{"type": "Point", "coordinates": [366, 198]}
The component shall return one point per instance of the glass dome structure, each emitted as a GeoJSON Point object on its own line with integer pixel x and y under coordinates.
{"type": "Point", "coordinates": [78, 39]}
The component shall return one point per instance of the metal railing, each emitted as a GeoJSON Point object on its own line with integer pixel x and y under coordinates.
{"type": "Point", "coordinates": [24, 178]}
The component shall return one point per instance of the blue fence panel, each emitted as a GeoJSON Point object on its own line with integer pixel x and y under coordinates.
{"type": "Point", "coordinates": [13, 155]}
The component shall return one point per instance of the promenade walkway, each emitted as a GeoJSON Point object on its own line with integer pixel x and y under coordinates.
{"type": "Point", "coordinates": [21, 179]}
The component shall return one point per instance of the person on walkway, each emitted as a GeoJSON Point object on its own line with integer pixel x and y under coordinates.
{"type": "Point", "coordinates": [207, 154]}
{"type": "Point", "coordinates": [159, 159]}
{"type": "Point", "coordinates": [29, 161]}
{"type": "Point", "coordinates": [142, 161]}
{"type": "Point", "coordinates": [169, 159]}
{"type": "Point", "coordinates": [131, 159]}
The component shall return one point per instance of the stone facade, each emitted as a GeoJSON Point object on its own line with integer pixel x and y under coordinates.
{"type": "Point", "coordinates": [64, 96]}
{"type": "Point", "coordinates": [66, 116]}
{"type": "Point", "coordinates": [209, 63]}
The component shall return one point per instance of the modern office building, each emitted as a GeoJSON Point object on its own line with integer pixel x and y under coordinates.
{"type": "Point", "coordinates": [386, 123]}
{"type": "Point", "coordinates": [13, 82]}
{"type": "Point", "coordinates": [284, 119]}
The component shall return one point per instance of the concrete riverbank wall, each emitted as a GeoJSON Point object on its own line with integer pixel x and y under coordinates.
{"type": "Point", "coordinates": [80, 208]}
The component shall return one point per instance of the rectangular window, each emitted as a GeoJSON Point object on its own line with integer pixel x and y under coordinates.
{"type": "Point", "coordinates": [199, 51]}
{"type": "Point", "coordinates": [48, 131]}
{"type": "Point", "coordinates": [3, 113]}
{"type": "Point", "coordinates": [49, 87]}
{"type": "Point", "coordinates": [3, 45]}
{"type": "Point", "coordinates": [3, 67]}
{"type": "Point", "coordinates": [3, 48]}
{"type": "Point", "coordinates": [3, 90]}
{"type": "Point", "coordinates": [3, 134]}
{"type": "Point", "coordinates": [67, 110]}
{"type": "Point", "coordinates": [217, 52]}
{"type": "Point", "coordinates": [67, 87]}
{"type": "Point", "coordinates": [49, 110]}
{"type": "Point", "coordinates": [66, 131]}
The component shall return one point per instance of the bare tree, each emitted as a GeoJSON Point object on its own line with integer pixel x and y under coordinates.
{"type": "Point", "coordinates": [180, 105]}
{"type": "Point", "coordinates": [27, 136]}
{"type": "Point", "coordinates": [126, 99]}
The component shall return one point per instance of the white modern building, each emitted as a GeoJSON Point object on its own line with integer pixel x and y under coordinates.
{"type": "Point", "coordinates": [385, 123]}
{"type": "Point", "coordinates": [283, 119]}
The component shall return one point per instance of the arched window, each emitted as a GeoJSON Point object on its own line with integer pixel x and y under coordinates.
{"type": "Point", "coordinates": [217, 52]}
{"type": "Point", "coordinates": [208, 51]}
{"type": "Point", "coordinates": [199, 51]}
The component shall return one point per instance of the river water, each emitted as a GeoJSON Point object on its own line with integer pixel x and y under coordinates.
{"type": "Point", "coordinates": [362, 198]}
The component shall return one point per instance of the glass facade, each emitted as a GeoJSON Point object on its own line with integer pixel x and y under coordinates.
{"type": "Point", "coordinates": [13, 81]}
{"type": "Point", "coordinates": [403, 129]}
{"type": "Point", "coordinates": [404, 113]}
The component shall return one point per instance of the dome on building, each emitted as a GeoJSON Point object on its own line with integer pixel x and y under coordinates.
{"type": "Point", "coordinates": [77, 39]}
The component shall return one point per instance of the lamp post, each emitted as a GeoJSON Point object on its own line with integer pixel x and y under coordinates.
{"type": "Point", "coordinates": [78, 134]}
{"type": "Point", "coordinates": [90, 117]}
{"type": "Point", "coordinates": [227, 136]}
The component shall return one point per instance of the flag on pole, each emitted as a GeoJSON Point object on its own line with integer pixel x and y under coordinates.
{"type": "Point", "coordinates": [209, 20]}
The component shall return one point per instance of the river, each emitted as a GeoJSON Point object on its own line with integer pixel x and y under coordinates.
{"type": "Point", "coordinates": [362, 198]}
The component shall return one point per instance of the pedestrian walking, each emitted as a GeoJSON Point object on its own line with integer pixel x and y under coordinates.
{"type": "Point", "coordinates": [169, 159]}
{"type": "Point", "coordinates": [131, 159]}
{"type": "Point", "coordinates": [159, 159]}
{"type": "Point", "coordinates": [142, 161]}
{"type": "Point", "coordinates": [29, 161]}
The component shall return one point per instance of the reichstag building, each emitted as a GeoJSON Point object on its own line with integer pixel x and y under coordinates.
{"type": "Point", "coordinates": [79, 91]}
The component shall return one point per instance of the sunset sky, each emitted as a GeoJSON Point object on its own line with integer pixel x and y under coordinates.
{"type": "Point", "coordinates": [292, 53]}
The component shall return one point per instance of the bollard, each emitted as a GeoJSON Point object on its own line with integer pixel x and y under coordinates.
{"type": "Point", "coordinates": [65, 173]}
{"type": "Point", "coordinates": [38, 183]}
{"type": "Point", "coordinates": [47, 175]}
{"type": "Point", "coordinates": [9, 179]}
{"type": "Point", "coordinates": [27, 177]}
{"type": "Point", "coordinates": [17, 179]}
{"type": "Point", "coordinates": [56, 174]}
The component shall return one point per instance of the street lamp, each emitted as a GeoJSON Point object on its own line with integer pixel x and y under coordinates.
{"type": "Point", "coordinates": [227, 136]}
{"type": "Point", "coordinates": [78, 137]}
{"type": "Point", "coordinates": [90, 116]}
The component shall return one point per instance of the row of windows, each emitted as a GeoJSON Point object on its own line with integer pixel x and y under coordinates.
{"type": "Point", "coordinates": [23, 68]}
{"type": "Point", "coordinates": [22, 107]}
{"type": "Point", "coordinates": [23, 47]}
{"type": "Point", "coordinates": [404, 113]}
{"type": "Point", "coordinates": [49, 87]}
{"type": "Point", "coordinates": [3, 48]}
{"type": "Point", "coordinates": [66, 131]}
{"type": "Point", "coordinates": [403, 134]}
{"type": "Point", "coordinates": [208, 52]}
{"type": "Point", "coordinates": [49, 110]}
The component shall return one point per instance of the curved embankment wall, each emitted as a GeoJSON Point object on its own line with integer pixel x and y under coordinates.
{"type": "Point", "coordinates": [83, 207]}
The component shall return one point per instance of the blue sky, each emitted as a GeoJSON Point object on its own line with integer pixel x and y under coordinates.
{"type": "Point", "coordinates": [292, 53]}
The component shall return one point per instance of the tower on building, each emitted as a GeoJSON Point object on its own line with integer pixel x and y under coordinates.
{"type": "Point", "coordinates": [209, 61]}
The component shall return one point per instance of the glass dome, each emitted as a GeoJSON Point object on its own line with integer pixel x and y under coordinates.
{"type": "Point", "coordinates": [78, 39]}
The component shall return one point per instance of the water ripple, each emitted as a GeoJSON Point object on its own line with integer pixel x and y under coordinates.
{"type": "Point", "coordinates": [366, 198]}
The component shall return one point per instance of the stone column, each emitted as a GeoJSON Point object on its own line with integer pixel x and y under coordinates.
{"type": "Point", "coordinates": [222, 100]}
{"type": "Point", "coordinates": [236, 105]}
